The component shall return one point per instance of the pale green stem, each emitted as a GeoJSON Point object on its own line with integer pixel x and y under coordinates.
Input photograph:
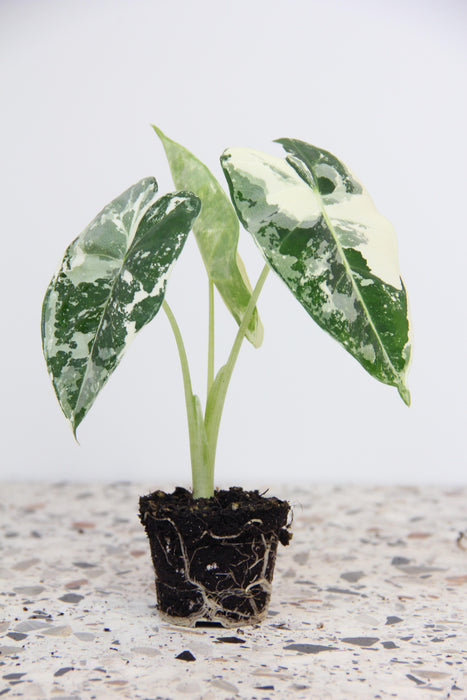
{"type": "Point", "coordinates": [214, 418]}
{"type": "Point", "coordinates": [211, 337]}
{"type": "Point", "coordinates": [202, 483]}
{"type": "Point", "coordinates": [182, 354]}
{"type": "Point", "coordinates": [204, 435]}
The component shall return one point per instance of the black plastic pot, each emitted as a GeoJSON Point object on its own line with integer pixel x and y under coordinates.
{"type": "Point", "coordinates": [214, 557]}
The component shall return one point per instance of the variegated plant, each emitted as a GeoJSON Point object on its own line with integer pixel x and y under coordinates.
{"type": "Point", "coordinates": [317, 229]}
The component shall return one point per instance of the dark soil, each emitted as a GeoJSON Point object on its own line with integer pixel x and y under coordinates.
{"type": "Point", "coordinates": [214, 557]}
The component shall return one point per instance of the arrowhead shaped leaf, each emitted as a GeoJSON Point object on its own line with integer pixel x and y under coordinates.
{"type": "Point", "coordinates": [111, 283]}
{"type": "Point", "coordinates": [319, 230]}
{"type": "Point", "coordinates": [216, 230]}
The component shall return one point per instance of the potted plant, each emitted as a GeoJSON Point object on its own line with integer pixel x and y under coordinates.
{"type": "Point", "coordinates": [317, 228]}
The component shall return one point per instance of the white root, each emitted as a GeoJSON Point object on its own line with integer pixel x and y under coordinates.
{"type": "Point", "coordinates": [212, 609]}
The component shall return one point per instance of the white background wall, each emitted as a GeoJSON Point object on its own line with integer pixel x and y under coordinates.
{"type": "Point", "coordinates": [380, 84]}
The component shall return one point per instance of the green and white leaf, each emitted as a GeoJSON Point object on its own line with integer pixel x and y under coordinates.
{"type": "Point", "coordinates": [320, 231]}
{"type": "Point", "coordinates": [110, 283]}
{"type": "Point", "coordinates": [216, 230]}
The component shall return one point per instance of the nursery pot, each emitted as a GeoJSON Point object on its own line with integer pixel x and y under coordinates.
{"type": "Point", "coordinates": [214, 557]}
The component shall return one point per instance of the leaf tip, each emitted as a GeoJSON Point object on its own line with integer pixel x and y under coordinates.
{"type": "Point", "coordinates": [74, 428]}
{"type": "Point", "coordinates": [164, 139]}
{"type": "Point", "coordinates": [157, 130]}
{"type": "Point", "coordinates": [283, 141]}
{"type": "Point", "coordinates": [404, 393]}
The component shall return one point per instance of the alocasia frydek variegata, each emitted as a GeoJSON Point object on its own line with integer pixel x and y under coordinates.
{"type": "Point", "coordinates": [316, 227]}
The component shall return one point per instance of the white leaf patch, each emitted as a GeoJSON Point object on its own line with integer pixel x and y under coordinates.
{"type": "Point", "coordinates": [357, 222]}
{"type": "Point", "coordinates": [284, 189]}
{"type": "Point", "coordinates": [373, 236]}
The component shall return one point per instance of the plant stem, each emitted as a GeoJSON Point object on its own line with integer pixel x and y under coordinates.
{"type": "Point", "coordinates": [211, 337]}
{"type": "Point", "coordinates": [202, 483]}
{"type": "Point", "coordinates": [181, 351]}
{"type": "Point", "coordinates": [204, 433]}
{"type": "Point", "coordinates": [214, 407]}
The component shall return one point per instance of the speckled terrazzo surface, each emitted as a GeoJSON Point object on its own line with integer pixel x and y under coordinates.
{"type": "Point", "coordinates": [369, 601]}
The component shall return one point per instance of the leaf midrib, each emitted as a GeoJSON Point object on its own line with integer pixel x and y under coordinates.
{"type": "Point", "coordinates": [116, 277]}
{"type": "Point", "coordinates": [350, 272]}
{"type": "Point", "coordinates": [313, 186]}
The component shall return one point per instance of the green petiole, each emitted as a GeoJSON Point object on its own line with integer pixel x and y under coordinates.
{"type": "Point", "coordinates": [202, 484]}
{"type": "Point", "coordinates": [216, 397]}
{"type": "Point", "coordinates": [203, 433]}
{"type": "Point", "coordinates": [211, 337]}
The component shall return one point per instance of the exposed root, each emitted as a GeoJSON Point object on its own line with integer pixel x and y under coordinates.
{"type": "Point", "coordinates": [212, 587]}
{"type": "Point", "coordinates": [214, 569]}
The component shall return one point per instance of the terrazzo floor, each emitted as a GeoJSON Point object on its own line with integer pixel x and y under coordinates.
{"type": "Point", "coordinates": [369, 601]}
